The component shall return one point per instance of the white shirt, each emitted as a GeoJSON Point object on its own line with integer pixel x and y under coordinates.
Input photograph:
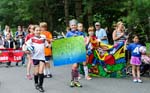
{"type": "Point", "coordinates": [38, 43]}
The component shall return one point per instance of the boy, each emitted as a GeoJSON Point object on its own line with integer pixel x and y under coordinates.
{"type": "Point", "coordinates": [48, 51]}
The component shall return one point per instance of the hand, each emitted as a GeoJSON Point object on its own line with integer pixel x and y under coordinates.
{"type": "Point", "coordinates": [122, 34]}
{"type": "Point", "coordinates": [27, 52]}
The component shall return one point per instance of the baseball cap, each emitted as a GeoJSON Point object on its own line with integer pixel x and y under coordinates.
{"type": "Point", "coordinates": [97, 23]}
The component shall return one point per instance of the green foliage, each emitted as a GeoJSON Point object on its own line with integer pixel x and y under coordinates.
{"type": "Point", "coordinates": [135, 13]}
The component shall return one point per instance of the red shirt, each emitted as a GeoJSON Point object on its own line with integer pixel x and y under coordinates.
{"type": "Point", "coordinates": [28, 37]}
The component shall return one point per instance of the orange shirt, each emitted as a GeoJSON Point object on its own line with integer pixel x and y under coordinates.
{"type": "Point", "coordinates": [48, 35]}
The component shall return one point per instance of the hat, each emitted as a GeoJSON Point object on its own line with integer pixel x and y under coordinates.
{"type": "Point", "coordinates": [97, 23]}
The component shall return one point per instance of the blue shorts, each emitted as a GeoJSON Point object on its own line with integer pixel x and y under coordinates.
{"type": "Point", "coordinates": [47, 59]}
{"type": "Point", "coordinates": [36, 61]}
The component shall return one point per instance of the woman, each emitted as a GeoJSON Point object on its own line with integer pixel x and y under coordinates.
{"type": "Point", "coordinates": [119, 34]}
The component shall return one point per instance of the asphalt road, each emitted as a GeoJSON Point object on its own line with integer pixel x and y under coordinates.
{"type": "Point", "coordinates": [12, 80]}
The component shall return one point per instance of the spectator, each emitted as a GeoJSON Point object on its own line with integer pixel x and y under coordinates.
{"type": "Point", "coordinates": [1, 41]}
{"type": "Point", "coordinates": [19, 31]}
{"type": "Point", "coordinates": [9, 43]}
{"type": "Point", "coordinates": [101, 33]}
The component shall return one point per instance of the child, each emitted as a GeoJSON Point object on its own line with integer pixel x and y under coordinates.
{"type": "Point", "coordinates": [87, 77]}
{"type": "Point", "coordinates": [9, 43]}
{"type": "Point", "coordinates": [135, 58]}
{"type": "Point", "coordinates": [19, 43]}
{"type": "Point", "coordinates": [75, 73]}
{"type": "Point", "coordinates": [48, 51]}
{"type": "Point", "coordinates": [31, 29]}
{"type": "Point", "coordinates": [38, 57]}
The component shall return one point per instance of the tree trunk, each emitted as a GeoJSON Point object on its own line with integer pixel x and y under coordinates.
{"type": "Point", "coordinates": [66, 8]}
{"type": "Point", "coordinates": [78, 9]}
{"type": "Point", "coordinates": [89, 12]}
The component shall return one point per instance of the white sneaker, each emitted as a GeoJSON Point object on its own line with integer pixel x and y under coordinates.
{"type": "Point", "coordinates": [135, 80]}
{"type": "Point", "coordinates": [139, 80]}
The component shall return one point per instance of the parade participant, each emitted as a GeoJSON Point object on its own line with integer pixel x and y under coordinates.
{"type": "Point", "coordinates": [87, 77]}
{"type": "Point", "coordinates": [135, 58]}
{"type": "Point", "coordinates": [9, 43]}
{"type": "Point", "coordinates": [7, 30]}
{"type": "Point", "coordinates": [29, 63]}
{"type": "Point", "coordinates": [101, 33]}
{"type": "Point", "coordinates": [74, 73]}
{"type": "Point", "coordinates": [48, 51]}
{"type": "Point", "coordinates": [38, 43]}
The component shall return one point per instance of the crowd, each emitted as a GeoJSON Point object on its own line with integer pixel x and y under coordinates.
{"type": "Point", "coordinates": [41, 39]}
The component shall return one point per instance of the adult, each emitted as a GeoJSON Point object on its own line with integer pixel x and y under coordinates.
{"type": "Point", "coordinates": [101, 33]}
{"type": "Point", "coordinates": [7, 31]}
{"type": "Point", "coordinates": [119, 33]}
{"type": "Point", "coordinates": [1, 41]}
{"type": "Point", "coordinates": [19, 31]}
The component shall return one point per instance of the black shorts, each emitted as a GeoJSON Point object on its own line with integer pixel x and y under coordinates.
{"type": "Point", "coordinates": [36, 61]}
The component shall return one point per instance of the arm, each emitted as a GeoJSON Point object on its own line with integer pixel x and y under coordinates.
{"type": "Point", "coordinates": [104, 35]}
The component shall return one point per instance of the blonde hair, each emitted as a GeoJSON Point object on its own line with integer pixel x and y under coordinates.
{"type": "Point", "coordinates": [120, 23]}
{"type": "Point", "coordinates": [91, 28]}
{"type": "Point", "coordinates": [44, 25]}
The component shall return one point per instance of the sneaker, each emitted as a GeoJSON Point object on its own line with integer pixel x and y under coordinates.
{"type": "Point", "coordinates": [139, 80]}
{"type": "Point", "coordinates": [135, 80]}
{"type": "Point", "coordinates": [49, 76]}
{"type": "Point", "coordinates": [77, 84]}
{"type": "Point", "coordinates": [88, 78]}
{"type": "Point", "coordinates": [72, 84]}
{"type": "Point", "coordinates": [29, 77]}
{"type": "Point", "coordinates": [41, 89]}
{"type": "Point", "coordinates": [36, 86]}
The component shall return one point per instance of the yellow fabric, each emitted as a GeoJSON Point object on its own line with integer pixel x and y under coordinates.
{"type": "Point", "coordinates": [48, 35]}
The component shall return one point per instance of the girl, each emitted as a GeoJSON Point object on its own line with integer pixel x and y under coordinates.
{"type": "Point", "coordinates": [119, 34]}
{"type": "Point", "coordinates": [29, 63]}
{"type": "Point", "coordinates": [87, 77]}
{"type": "Point", "coordinates": [135, 60]}
{"type": "Point", "coordinates": [38, 57]}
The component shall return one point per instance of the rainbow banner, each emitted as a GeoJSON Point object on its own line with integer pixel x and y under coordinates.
{"type": "Point", "coordinates": [109, 63]}
{"type": "Point", "coordinates": [68, 51]}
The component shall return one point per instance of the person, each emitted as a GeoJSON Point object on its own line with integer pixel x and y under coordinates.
{"type": "Point", "coordinates": [119, 33]}
{"type": "Point", "coordinates": [9, 43]}
{"type": "Point", "coordinates": [85, 68]}
{"type": "Point", "coordinates": [48, 51]}
{"type": "Point", "coordinates": [7, 30]}
{"type": "Point", "coordinates": [1, 41]}
{"type": "Point", "coordinates": [19, 43]}
{"type": "Point", "coordinates": [20, 31]}
{"type": "Point", "coordinates": [135, 60]}
{"type": "Point", "coordinates": [101, 33]}
{"type": "Point", "coordinates": [38, 57]}
{"type": "Point", "coordinates": [31, 29]}
{"type": "Point", "coordinates": [74, 73]}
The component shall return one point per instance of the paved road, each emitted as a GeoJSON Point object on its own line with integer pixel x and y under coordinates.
{"type": "Point", "coordinates": [12, 80]}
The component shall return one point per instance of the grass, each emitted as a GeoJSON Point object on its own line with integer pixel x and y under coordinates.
{"type": "Point", "coordinates": [148, 48]}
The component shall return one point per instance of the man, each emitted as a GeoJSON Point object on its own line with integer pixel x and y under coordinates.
{"type": "Point", "coordinates": [101, 33]}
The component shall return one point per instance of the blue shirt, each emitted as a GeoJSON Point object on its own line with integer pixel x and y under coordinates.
{"type": "Point", "coordinates": [74, 33]}
{"type": "Point", "coordinates": [134, 49]}
{"type": "Point", "coordinates": [71, 33]}
{"type": "Point", "coordinates": [100, 34]}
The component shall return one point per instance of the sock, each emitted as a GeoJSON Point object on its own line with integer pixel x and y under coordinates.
{"type": "Point", "coordinates": [86, 71]}
{"type": "Point", "coordinates": [75, 75]}
{"type": "Point", "coordinates": [48, 71]}
{"type": "Point", "coordinates": [41, 79]}
{"type": "Point", "coordinates": [45, 71]}
{"type": "Point", "coordinates": [36, 79]}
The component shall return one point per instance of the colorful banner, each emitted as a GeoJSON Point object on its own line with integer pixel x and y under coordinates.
{"type": "Point", "coordinates": [11, 55]}
{"type": "Point", "coordinates": [68, 51]}
{"type": "Point", "coordinates": [109, 63]}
